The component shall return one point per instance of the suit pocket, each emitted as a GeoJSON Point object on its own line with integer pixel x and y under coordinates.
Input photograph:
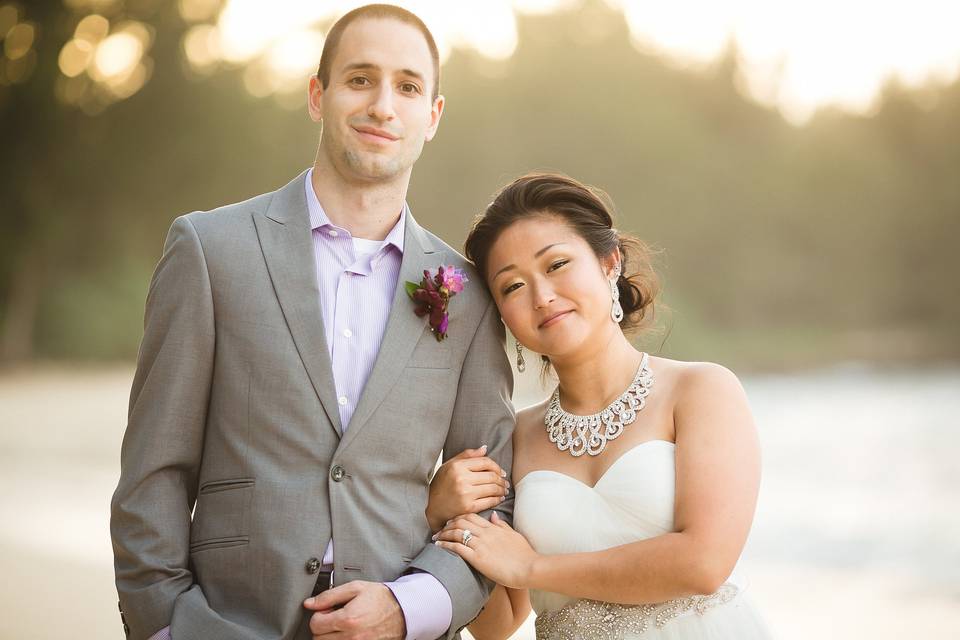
{"type": "Point", "coordinates": [222, 512]}
{"type": "Point", "coordinates": [219, 543]}
{"type": "Point", "coordinates": [214, 486]}
{"type": "Point", "coordinates": [430, 354]}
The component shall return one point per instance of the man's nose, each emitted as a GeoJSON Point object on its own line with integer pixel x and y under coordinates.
{"type": "Point", "coordinates": [381, 107]}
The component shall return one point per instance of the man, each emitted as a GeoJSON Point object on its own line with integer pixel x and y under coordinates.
{"type": "Point", "coordinates": [288, 396]}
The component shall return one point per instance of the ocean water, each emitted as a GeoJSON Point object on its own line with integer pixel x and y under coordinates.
{"type": "Point", "coordinates": [861, 471]}
{"type": "Point", "coordinates": [857, 531]}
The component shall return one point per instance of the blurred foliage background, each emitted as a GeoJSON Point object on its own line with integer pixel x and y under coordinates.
{"type": "Point", "coordinates": [783, 245]}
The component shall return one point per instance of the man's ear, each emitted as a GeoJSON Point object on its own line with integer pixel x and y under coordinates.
{"type": "Point", "coordinates": [435, 112]}
{"type": "Point", "coordinates": [315, 99]}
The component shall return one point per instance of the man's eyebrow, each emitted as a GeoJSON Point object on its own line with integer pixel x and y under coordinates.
{"type": "Point", "coordinates": [536, 255]}
{"type": "Point", "coordinates": [360, 66]}
{"type": "Point", "coordinates": [413, 74]}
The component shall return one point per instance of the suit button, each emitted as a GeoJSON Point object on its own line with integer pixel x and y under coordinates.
{"type": "Point", "coordinates": [313, 565]}
{"type": "Point", "coordinates": [337, 473]}
{"type": "Point", "coordinates": [126, 629]}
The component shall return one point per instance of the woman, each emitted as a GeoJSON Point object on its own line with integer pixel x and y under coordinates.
{"type": "Point", "coordinates": [636, 482]}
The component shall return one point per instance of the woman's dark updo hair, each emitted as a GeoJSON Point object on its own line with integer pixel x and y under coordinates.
{"type": "Point", "coordinates": [586, 212]}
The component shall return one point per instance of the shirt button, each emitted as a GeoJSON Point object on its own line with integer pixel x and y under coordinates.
{"type": "Point", "coordinates": [342, 400]}
{"type": "Point", "coordinates": [337, 473]}
{"type": "Point", "coordinates": [332, 233]}
{"type": "Point", "coordinates": [347, 333]}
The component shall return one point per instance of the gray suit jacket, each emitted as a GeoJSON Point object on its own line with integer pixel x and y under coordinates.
{"type": "Point", "coordinates": [234, 473]}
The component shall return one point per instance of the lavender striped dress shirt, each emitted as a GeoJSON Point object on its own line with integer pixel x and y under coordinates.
{"type": "Point", "coordinates": [356, 292]}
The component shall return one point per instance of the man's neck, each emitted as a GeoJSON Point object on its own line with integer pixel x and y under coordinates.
{"type": "Point", "coordinates": [366, 210]}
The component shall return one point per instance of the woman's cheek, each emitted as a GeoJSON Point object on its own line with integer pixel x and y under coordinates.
{"type": "Point", "coordinates": [518, 323]}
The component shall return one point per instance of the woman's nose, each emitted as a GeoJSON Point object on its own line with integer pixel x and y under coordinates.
{"type": "Point", "coordinates": [543, 295]}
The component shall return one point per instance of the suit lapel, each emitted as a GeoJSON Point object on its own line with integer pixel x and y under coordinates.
{"type": "Point", "coordinates": [287, 243]}
{"type": "Point", "coordinates": [403, 330]}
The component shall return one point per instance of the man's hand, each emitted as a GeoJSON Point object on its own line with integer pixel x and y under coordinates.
{"type": "Point", "coordinates": [357, 610]}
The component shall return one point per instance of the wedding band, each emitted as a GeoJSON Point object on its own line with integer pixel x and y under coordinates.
{"type": "Point", "coordinates": [467, 536]}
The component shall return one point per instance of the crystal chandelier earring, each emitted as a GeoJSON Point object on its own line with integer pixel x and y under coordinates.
{"type": "Point", "coordinates": [616, 312]}
{"type": "Point", "coordinates": [521, 363]}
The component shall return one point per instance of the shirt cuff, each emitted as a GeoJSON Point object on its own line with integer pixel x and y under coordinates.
{"type": "Point", "coordinates": [163, 634]}
{"type": "Point", "coordinates": [425, 603]}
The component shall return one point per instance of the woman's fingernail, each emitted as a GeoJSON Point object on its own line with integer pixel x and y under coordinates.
{"type": "Point", "coordinates": [434, 536]}
{"type": "Point", "coordinates": [502, 498]}
{"type": "Point", "coordinates": [508, 485]}
{"type": "Point", "coordinates": [503, 473]}
{"type": "Point", "coordinates": [483, 449]}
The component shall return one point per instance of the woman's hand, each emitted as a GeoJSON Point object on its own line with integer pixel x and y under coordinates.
{"type": "Point", "coordinates": [494, 549]}
{"type": "Point", "coordinates": [469, 482]}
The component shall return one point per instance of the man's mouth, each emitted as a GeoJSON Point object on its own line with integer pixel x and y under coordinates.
{"type": "Point", "coordinates": [373, 134]}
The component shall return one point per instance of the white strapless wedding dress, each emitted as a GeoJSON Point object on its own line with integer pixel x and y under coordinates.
{"type": "Point", "coordinates": [632, 501]}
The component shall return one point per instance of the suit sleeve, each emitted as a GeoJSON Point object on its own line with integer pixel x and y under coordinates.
{"type": "Point", "coordinates": [483, 414]}
{"type": "Point", "coordinates": [163, 442]}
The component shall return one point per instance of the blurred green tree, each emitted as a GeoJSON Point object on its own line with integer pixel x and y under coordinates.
{"type": "Point", "coordinates": [784, 245]}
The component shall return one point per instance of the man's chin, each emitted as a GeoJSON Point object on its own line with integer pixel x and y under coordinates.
{"type": "Point", "coordinates": [377, 169]}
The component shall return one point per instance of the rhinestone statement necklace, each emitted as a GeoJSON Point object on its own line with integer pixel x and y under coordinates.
{"type": "Point", "coordinates": [589, 434]}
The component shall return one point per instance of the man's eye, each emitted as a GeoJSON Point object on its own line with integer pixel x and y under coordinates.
{"type": "Point", "coordinates": [557, 265]}
{"type": "Point", "coordinates": [409, 87]}
{"type": "Point", "coordinates": [359, 81]}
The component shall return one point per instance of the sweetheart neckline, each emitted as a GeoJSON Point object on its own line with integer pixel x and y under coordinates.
{"type": "Point", "coordinates": [603, 475]}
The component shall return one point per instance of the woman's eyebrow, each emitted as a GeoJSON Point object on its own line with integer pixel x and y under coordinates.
{"type": "Point", "coordinates": [536, 255]}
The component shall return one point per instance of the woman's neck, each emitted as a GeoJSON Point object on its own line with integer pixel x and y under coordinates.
{"type": "Point", "coordinates": [596, 376]}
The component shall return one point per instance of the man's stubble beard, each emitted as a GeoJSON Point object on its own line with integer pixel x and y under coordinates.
{"type": "Point", "coordinates": [373, 168]}
{"type": "Point", "coordinates": [369, 166]}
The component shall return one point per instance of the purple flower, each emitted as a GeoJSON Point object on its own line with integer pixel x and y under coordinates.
{"type": "Point", "coordinates": [432, 296]}
{"type": "Point", "coordinates": [453, 279]}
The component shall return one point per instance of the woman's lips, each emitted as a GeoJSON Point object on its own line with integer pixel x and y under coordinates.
{"type": "Point", "coordinates": [554, 319]}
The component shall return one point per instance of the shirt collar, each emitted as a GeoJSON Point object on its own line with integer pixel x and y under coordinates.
{"type": "Point", "coordinates": [319, 219]}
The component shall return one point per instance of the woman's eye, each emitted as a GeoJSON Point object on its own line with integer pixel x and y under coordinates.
{"type": "Point", "coordinates": [557, 265]}
{"type": "Point", "coordinates": [513, 287]}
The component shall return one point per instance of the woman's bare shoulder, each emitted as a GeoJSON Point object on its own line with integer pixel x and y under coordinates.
{"type": "Point", "coordinates": [706, 400]}
{"type": "Point", "coordinates": [687, 382]}
{"type": "Point", "coordinates": [530, 419]}
{"type": "Point", "coordinates": [529, 426]}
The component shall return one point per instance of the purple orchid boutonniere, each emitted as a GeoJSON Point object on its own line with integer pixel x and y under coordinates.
{"type": "Point", "coordinates": [432, 296]}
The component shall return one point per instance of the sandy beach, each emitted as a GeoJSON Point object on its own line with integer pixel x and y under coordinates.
{"type": "Point", "coordinates": [855, 537]}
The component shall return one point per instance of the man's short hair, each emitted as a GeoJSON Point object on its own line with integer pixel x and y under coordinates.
{"type": "Point", "coordinates": [376, 11]}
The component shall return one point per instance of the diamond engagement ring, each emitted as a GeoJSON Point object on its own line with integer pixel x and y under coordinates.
{"type": "Point", "coordinates": [467, 536]}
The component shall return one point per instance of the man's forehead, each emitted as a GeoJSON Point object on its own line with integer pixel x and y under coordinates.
{"type": "Point", "coordinates": [384, 44]}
